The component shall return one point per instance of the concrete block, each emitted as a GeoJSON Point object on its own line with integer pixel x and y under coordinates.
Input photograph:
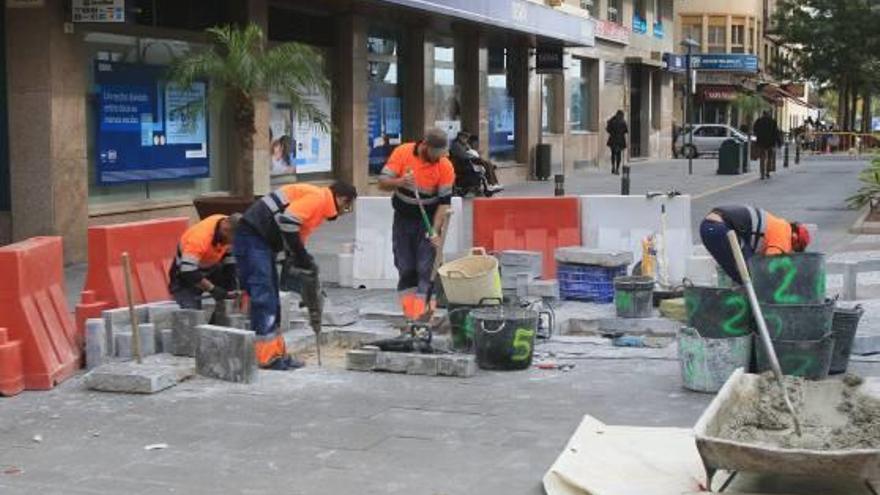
{"type": "Point", "coordinates": [593, 256]}
{"type": "Point", "coordinates": [185, 337]}
{"type": "Point", "coordinates": [422, 364]}
{"type": "Point", "coordinates": [119, 318]}
{"type": "Point", "coordinates": [131, 378]}
{"type": "Point", "coordinates": [226, 354]}
{"type": "Point", "coordinates": [124, 347]}
{"type": "Point", "coordinates": [639, 326]}
{"type": "Point", "coordinates": [96, 343]}
{"type": "Point", "coordinates": [460, 366]}
{"type": "Point", "coordinates": [286, 301]}
{"type": "Point", "coordinates": [239, 321]}
{"type": "Point", "coordinates": [527, 259]}
{"type": "Point", "coordinates": [395, 362]}
{"type": "Point", "coordinates": [166, 339]}
{"type": "Point", "coordinates": [339, 316]}
{"type": "Point", "coordinates": [160, 316]}
{"type": "Point", "coordinates": [548, 289]}
{"type": "Point", "coordinates": [360, 359]}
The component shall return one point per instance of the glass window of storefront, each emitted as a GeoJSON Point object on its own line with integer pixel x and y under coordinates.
{"type": "Point", "coordinates": [502, 107]}
{"type": "Point", "coordinates": [447, 94]}
{"type": "Point", "coordinates": [384, 98]}
{"type": "Point", "coordinates": [145, 52]}
{"type": "Point", "coordinates": [581, 99]}
{"type": "Point", "coordinates": [551, 103]}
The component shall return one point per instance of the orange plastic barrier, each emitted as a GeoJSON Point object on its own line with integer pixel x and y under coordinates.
{"type": "Point", "coordinates": [151, 245]}
{"type": "Point", "coordinates": [88, 307]}
{"type": "Point", "coordinates": [11, 368]}
{"type": "Point", "coordinates": [533, 224]}
{"type": "Point", "coordinates": [34, 311]}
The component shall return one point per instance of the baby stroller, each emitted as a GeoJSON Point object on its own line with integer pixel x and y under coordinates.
{"type": "Point", "coordinates": [470, 177]}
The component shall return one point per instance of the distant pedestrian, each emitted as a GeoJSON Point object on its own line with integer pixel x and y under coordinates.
{"type": "Point", "coordinates": [766, 139]}
{"type": "Point", "coordinates": [617, 130]}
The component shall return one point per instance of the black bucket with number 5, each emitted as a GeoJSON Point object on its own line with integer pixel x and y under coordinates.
{"type": "Point", "coordinates": [504, 337]}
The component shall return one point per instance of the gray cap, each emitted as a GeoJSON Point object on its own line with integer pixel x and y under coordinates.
{"type": "Point", "coordinates": [436, 139]}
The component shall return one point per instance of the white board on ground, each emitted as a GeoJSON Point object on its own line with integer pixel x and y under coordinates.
{"type": "Point", "coordinates": [621, 222]}
{"type": "Point", "coordinates": [373, 253]}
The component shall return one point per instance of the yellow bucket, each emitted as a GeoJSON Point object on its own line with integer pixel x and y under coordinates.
{"type": "Point", "coordinates": [471, 279]}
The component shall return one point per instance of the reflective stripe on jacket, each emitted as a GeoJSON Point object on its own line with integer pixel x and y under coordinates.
{"type": "Point", "coordinates": [200, 247]}
{"type": "Point", "coordinates": [294, 209]}
{"type": "Point", "coordinates": [433, 180]}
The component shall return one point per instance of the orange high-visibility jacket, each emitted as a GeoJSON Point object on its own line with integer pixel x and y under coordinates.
{"type": "Point", "coordinates": [200, 247]}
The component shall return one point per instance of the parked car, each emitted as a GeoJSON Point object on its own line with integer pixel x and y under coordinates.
{"type": "Point", "coordinates": [707, 139]}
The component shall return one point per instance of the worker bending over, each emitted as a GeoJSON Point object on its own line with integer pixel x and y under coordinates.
{"type": "Point", "coordinates": [758, 232]}
{"type": "Point", "coordinates": [419, 174]}
{"type": "Point", "coordinates": [204, 262]}
{"type": "Point", "coordinates": [281, 221]}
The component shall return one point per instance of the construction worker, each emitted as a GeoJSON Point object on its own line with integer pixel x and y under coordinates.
{"type": "Point", "coordinates": [758, 231]}
{"type": "Point", "coordinates": [421, 178]}
{"type": "Point", "coordinates": [204, 262]}
{"type": "Point", "coordinates": [281, 221]}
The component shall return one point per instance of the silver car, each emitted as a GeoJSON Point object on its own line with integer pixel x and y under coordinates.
{"type": "Point", "coordinates": [707, 139]}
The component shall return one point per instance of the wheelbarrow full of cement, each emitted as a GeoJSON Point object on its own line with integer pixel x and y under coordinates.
{"type": "Point", "coordinates": [728, 439]}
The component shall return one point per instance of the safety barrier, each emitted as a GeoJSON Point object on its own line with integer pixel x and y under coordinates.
{"type": "Point", "coordinates": [151, 245]}
{"type": "Point", "coordinates": [534, 224]}
{"type": "Point", "coordinates": [88, 307]}
{"type": "Point", "coordinates": [11, 369]}
{"type": "Point", "coordinates": [34, 311]}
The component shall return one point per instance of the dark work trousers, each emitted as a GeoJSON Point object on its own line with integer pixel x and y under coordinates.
{"type": "Point", "coordinates": [616, 159]}
{"type": "Point", "coordinates": [714, 236]}
{"type": "Point", "coordinates": [189, 296]}
{"type": "Point", "coordinates": [259, 278]}
{"type": "Point", "coordinates": [413, 254]}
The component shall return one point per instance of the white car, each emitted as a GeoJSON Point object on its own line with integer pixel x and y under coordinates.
{"type": "Point", "coordinates": [707, 139]}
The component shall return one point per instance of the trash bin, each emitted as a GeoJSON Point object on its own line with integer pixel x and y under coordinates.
{"type": "Point", "coordinates": [542, 161]}
{"type": "Point", "coordinates": [747, 150]}
{"type": "Point", "coordinates": [730, 157]}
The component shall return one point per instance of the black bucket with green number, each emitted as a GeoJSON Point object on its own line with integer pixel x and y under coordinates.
{"type": "Point", "coordinates": [717, 312]}
{"type": "Point", "coordinates": [634, 296]}
{"type": "Point", "coordinates": [797, 278]}
{"type": "Point", "coordinates": [504, 337]}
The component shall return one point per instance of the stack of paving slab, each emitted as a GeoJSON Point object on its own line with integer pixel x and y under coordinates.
{"type": "Point", "coordinates": [412, 363]}
{"type": "Point", "coordinates": [518, 269]}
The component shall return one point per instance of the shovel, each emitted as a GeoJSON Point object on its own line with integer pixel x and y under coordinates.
{"type": "Point", "coordinates": [762, 325]}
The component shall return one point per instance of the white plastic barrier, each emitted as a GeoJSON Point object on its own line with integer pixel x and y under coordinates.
{"type": "Point", "coordinates": [621, 222]}
{"type": "Point", "coordinates": [373, 253]}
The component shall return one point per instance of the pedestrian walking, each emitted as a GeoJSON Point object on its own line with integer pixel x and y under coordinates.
{"type": "Point", "coordinates": [617, 130]}
{"type": "Point", "coordinates": [421, 177]}
{"type": "Point", "coordinates": [766, 139]}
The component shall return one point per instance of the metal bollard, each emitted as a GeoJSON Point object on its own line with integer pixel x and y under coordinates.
{"type": "Point", "coordinates": [559, 186]}
{"type": "Point", "coordinates": [797, 151]}
{"type": "Point", "coordinates": [785, 156]}
{"type": "Point", "coordinates": [624, 181]}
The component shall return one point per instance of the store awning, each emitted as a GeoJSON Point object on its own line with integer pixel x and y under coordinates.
{"type": "Point", "coordinates": [517, 15]}
{"type": "Point", "coordinates": [650, 62]}
{"type": "Point", "coordinates": [718, 92]}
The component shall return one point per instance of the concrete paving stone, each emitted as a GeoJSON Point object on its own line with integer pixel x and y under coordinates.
{"type": "Point", "coordinates": [166, 340]}
{"type": "Point", "coordinates": [339, 316]}
{"type": "Point", "coordinates": [593, 256]}
{"type": "Point", "coordinates": [422, 364]}
{"type": "Point", "coordinates": [639, 326]}
{"type": "Point", "coordinates": [122, 344]}
{"type": "Point", "coordinates": [865, 345]}
{"type": "Point", "coordinates": [360, 360]}
{"type": "Point", "coordinates": [130, 377]}
{"type": "Point", "coordinates": [460, 366]}
{"type": "Point", "coordinates": [124, 341]}
{"type": "Point", "coordinates": [548, 289]}
{"type": "Point", "coordinates": [96, 343]}
{"type": "Point", "coordinates": [115, 319]}
{"type": "Point", "coordinates": [185, 337]}
{"type": "Point", "coordinates": [286, 301]}
{"type": "Point", "coordinates": [239, 321]}
{"type": "Point", "coordinates": [395, 362]}
{"type": "Point", "coordinates": [226, 354]}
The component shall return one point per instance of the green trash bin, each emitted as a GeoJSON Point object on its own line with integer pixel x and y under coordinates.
{"type": "Point", "coordinates": [730, 157]}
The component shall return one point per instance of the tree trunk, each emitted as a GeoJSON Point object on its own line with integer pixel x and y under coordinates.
{"type": "Point", "coordinates": [867, 116]}
{"type": "Point", "coordinates": [854, 97]}
{"type": "Point", "coordinates": [243, 120]}
{"type": "Point", "coordinates": [841, 103]}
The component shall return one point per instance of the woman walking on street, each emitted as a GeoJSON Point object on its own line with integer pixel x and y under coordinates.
{"type": "Point", "coordinates": [617, 130]}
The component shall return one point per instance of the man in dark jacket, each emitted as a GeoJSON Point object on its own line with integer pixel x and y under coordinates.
{"type": "Point", "coordinates": [766, 136]}
{"type": "Point", "coordinates": [617, 130]}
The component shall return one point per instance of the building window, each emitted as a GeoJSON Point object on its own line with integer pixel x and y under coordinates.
{"type": "Point", "coordinates": [737, 39]}
{"type": "Point", "coordinates": [640, 17]}
{"type": "Point", "coordinates": [692, 28]}
{"type": "Point", "coordinates": [447, 95]}
{"type": "Point", "coordinates": [551, 104]}
{"type": "Point", "coordinates": [615, 11]}
{"type": "Point", "coordinates": [717, 37]}
{"type": "Point", "coordinates": [752, 40]}
{"type": "Point", "coordinates": [383, 99]}
{"type": "Point", "coordinates": [502, 106]}
{"type": "Point", "coordinates": [580, 114]}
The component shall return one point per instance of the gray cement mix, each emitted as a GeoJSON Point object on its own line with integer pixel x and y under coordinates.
{"type": "Point", "coordinates": [854, 423]}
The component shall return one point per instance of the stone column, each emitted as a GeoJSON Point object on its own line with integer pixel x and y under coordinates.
{"type": "Point", "coordinates": [47, 128]}
{"type": "Point", "coordinates": [527, 95]}
{"type": "Point", "coordinates": [472, 73]}
{"type": "Point", "coordinates": [417, 82]}
{"type": "Point", "coordinates": [258, 13]}
{"type": "Point", "coordinates": [350, 104]}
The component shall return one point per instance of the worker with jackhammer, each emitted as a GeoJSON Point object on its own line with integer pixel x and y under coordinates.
{"type": "Point", "coordinates": [204, 262]}
{"type": "Point", "coordinates": [281, 221]}
{"type": "Point", "coordinates": [421, 178]}
{"type": "Point", "coordinates": [758, 231]}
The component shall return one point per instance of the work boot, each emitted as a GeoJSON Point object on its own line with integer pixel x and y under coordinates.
{"type": "Point", "coordinates": [285, 364]}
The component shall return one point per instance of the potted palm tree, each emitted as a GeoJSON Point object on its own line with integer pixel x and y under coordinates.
{"type": "Point", "coordinates": [239, 69]}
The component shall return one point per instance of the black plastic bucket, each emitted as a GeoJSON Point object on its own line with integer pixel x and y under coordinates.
{"type": "Point", "coordinates": [844, 324]}
{"type": "Point", "coordinates": [461, 326]}
{"type": "Point", "coordinates": [718, 312]}
{"type": "Point", "coordinates": [798, 321]}
{"type": "Point", "coordinates": [797, 278]}
{"type": "Point", "coordinates": [634, 296]}
{"type": "Point", "coordinates": [806, 358]}
{"type": "Point", "coordinates": [504, 337]}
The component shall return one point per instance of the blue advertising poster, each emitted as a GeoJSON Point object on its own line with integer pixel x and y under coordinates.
{"type": "Point", "coordinates": [732, 62]}
{"type": "Point", "coordinates": [146, 129]}
{"type": "Point", "coordinates": [383, 129]}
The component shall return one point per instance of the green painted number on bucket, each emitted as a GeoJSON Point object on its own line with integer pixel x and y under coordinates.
{"type": "Point", "coordinates": [798, 364]}
{"type": "Point", "coordinates": [623, 301]}
{"type": "Point", "coordinates": [820, 286]}
{"type": "Point", "coordinates": [781, 296]}
{"type": "Point", "coordinates": [691, 304]}
{"type": "Point", "coordinates": [774, 324]}
{"type": "Point", "coordinates": [734, 324]}
{"type": "Point", "coordinates": [522, 344]}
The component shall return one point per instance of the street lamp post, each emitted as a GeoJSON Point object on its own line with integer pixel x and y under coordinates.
{"type": "Point", "coordinates": [689, 43]}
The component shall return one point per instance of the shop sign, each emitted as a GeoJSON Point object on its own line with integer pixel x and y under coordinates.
{"type": "Point", "coordinates": [25, 4]}
{"type": "Point", "coordinates": [719, 93]}
{"type": "Point", "coordinates": [98, 10]}
{"type": "Point", "coordinates": [147, 129]}
{"type": "Point", "coordinates": [675, 63]}
{"type": "Point", "coordinates": [731, 62]}
{"type": "Point", "coordinates": [548, 59]}
{"type": "Point", "coordinates": [612, 31]}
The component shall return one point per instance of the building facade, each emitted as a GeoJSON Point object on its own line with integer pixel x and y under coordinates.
{"type": "Point", "coordinates": [79, 86]}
